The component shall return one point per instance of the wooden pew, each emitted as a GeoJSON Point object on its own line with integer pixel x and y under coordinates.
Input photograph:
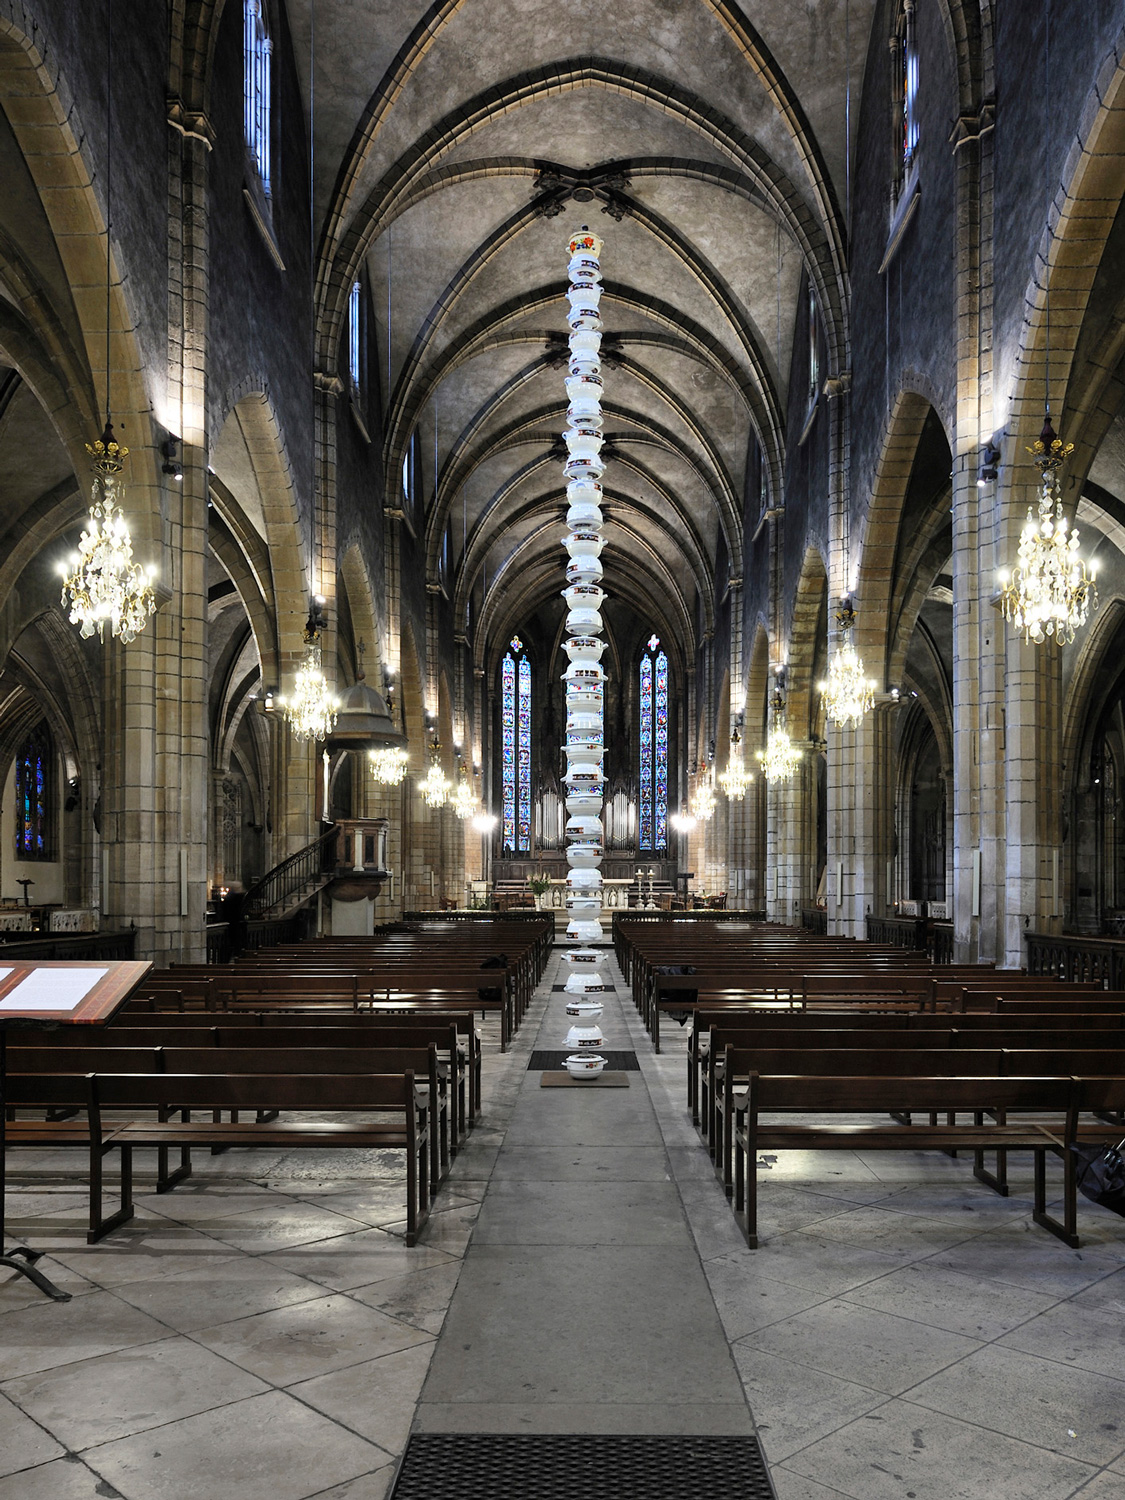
{"type": "Point", "coordinates": [1017, 1098]}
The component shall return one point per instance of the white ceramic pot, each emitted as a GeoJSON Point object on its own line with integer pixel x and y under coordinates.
{"type": "Point", "coordinates": [580, 777]}
{"type": "Point", "coordinates": [587, 856]}
{"type": "Point", "coordinates": [576, 722]}
{"type": "Point", "coordinates": [584, 267]}
{"type": "Point", "coordinates": [585, 908]}
{"type": "Point", "coordinates": [585, 569]}
{"type": "Point", "coordinates": [580, 755]}
{"type": "Point", "coordinates": [585, 803]}
{"type": "Point", "coordinates": [584, 296]}
{"type": "Point", "coordinates": [586, 880]}
{"type": "Point", "coordinates": [584, 319]}
{"type": "Point", "coordinates": [584, 932]}
{"type": "Point", "coordinates": [584, 463]}
{"type": "Point", "coordinates": [583, 439]}
{"type": "Point", "coordinates": [584, 622]}
{"type": "Point", "coordinates": [583, 541]}
{"type": "Point", "coordinates": [584, 1066]}
{"type": "Point", "coordinates": [578, 957]}
{"type": "Point", "coordinates": [584, 1038]}
{"type": "Point", "coordinates": [586, 341]}
{"type": "Point", "coordinates": [584, 491]}
{"type": "Point", "coordinates": [582, 829]}
{"type": "Point", "coordinates": [588, 983]}
{"type": "Point", "coordinates": [590, 416]}
{"type": "Point", "coordinates": [578, 983]}
{"type": "Point", "coordinates": [584, 596]}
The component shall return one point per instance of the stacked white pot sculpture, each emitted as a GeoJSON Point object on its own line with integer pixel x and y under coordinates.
{"type": "Point", "coordinates": [584, 677]}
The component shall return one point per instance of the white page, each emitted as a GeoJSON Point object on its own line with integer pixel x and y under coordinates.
{"type": "Point", "coordinates": [52, 989]}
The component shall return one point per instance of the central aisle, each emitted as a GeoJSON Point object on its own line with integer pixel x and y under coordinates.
{"type": "Point", "coordinates": [582, 1305]}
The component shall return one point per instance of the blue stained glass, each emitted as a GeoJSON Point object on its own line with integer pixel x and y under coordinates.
{"type": "Point", "coordinates": [660, 799]}
{"type": "Point", "coordinates": [515, 752]}
{"type": "Point", "coordinates": [32, 796]}
{"type": "Point", "coordinates": [524, 845]}
{"type": "Point", "coordinates": [646, 752]}
{"type": "Point", "coordinates": [508, 779]}
{"type": "Point", "coordinates": [653, 747]}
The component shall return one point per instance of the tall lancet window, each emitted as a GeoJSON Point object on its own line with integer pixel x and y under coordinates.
{"type": "Point", "coordinates": [515, 711]}
{"type": "Point", "coordinates": [35, 796]}
{"type": "Point", "coordinates": [256, 52]}
{"type": "Point", "coordinates": [653, 745]}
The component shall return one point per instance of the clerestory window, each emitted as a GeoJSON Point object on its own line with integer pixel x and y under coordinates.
{"type": "Point", "coordinates": [256, 55]}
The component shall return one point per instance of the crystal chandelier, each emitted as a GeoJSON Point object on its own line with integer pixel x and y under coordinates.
{"type": "Point", "coordinates": [1051, 590]}
{"type": "Point", "coordinates": [102, 585]}
{"type": "Point", "coordinates": [781, 757]}
{"type": "Point", "coordinates": [311, 707]}
{"type": "Point", "coordinates": [735, 780]}
{"type": "Point", "coordinates": [436, 787]}
{"type": "Point", "coordinates": [703, 801]}
{"type": "Point", "coordinates": [388, 766]}
{"type": "Point", "coordinates": [848, 694]}
{"type": "Point", "coordinates": [464, 800]}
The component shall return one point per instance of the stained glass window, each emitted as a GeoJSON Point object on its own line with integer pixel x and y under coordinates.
{"type": "Point", "coordinates": [515, 749]}
{"type": "Point", "coordinates": [355, 345]}
{"type": "Point", "coordinates": [34, 796]}
{"type": "Point", "coordinates": [653, 746]}
{"type": "Point", "coordinates": [257, 50]}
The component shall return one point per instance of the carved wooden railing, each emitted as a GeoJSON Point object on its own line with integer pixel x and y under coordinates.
{"type": "Point", "coordinates": [80, 946]}
{"type": "Point", "coordinates": [897, 932]}
{"type": "Point", "coordinates": [1077, 959]}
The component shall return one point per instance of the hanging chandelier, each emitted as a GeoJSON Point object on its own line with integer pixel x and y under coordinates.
{"type": "Point", "coordinates": [781, 757]}
{"type": "Point", "coordinates": [311, 707]}
{"type": "Point", "coordinates": [848, 694]}
{"type": "Point", "coordinates": [388, 766]}
{"type": "Point", "coordinates": [436, 787]}
{"type": "Point", "coordinates": [735, 780]}
{"type": "Point", "coordinates": [1051, 590]}
{"type": "Point", "coordinates": [464, 800]}
{"type": "Point", "coordinates": [703, 800]}
{"type": "Point", "coordinates": [102, 585]}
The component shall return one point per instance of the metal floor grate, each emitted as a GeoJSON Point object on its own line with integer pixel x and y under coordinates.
{"type": "Point", "coordinates": [456, 1466]}
{"type": "Point", "coordinates": [616, 1062]}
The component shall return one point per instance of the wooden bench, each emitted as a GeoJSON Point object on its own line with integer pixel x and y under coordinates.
{"type": "Point", "coordinates": [887, 1096]}
{"type": "Point", "coordinates": [175, 1096]}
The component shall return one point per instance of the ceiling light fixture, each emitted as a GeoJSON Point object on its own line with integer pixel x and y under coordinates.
{"type": "Point", "coordinates": [848, 694]}
{"type": "Point", "coordinates": [102, 585]}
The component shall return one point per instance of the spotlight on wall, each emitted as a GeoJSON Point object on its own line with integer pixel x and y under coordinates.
{"type": "Point", "coordinates": [989, 465]}
{"type": "Point", "coordinates": [171, 465]}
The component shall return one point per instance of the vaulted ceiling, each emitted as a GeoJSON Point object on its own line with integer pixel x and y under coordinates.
{"type": "Point", "coordinates": [457, 144]}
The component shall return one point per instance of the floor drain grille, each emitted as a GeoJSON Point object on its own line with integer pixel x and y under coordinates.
{"type": "Point", "coordinates": [454, 1466]}
{"type": "Point", "coordinates": [616, 1062]}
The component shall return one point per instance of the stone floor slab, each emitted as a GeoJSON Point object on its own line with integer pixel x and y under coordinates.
{"type": "Point", "coordinates": [576, 1213]}
{"type": "Point", "coordinates": [841, 1338]}
{"type": "Point", "coordinates": [118, 1394]}
{"type": "Point", "coordinates": [269, 1447]}
{"type": "Point", "coordinates": [23, 1443]}
{"type": "Point", "coordinates": [294, 1343]}
{"type": "Point", "coordinates": [900, 1450]}
{"type": "Point", "coordinates": [376, 1398]}
{"type": "Point", "coordinates": [1036, 1400]}
{"type": "Point", "coordinates": [48, 1334]}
